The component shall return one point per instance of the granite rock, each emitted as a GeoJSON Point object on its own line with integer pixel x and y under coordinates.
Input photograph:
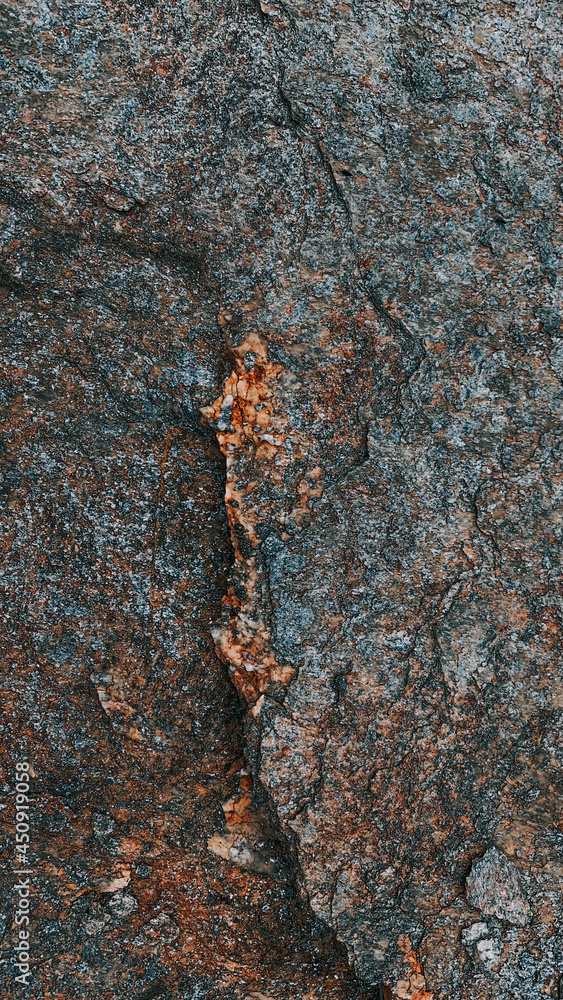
{"type": "Point", "coordinates": [333, 234]}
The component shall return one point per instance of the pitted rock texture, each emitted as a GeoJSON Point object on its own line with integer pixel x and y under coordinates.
{"type": "Point", "coordinates": [336, 231]}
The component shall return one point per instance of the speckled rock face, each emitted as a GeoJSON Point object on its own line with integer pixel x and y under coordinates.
{"type": "Point", "coordinates": [130, 143]}
{"type": "Point", "coordinates": [331, 234]}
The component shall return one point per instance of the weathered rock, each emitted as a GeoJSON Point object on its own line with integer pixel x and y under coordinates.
{"type": "Point", "coordinates": [412, 595]}
{"type": "Point", "coordinates": [494, 888]}
{"type": "Point", "coordinates": [156, 871]}
{"type": "Point", "coordinates": [343, 224]}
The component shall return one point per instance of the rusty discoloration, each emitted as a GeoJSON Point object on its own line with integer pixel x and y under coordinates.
{"type": "Point", "coordinates": [258, 442]}
{"type": "Point", "coordinates": [373, 191]}
{"type": "Point", "coordinates": [413, 984]}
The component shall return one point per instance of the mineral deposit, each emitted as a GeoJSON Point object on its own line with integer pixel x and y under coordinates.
{"type": "Point", "coordinates": [283, 390]}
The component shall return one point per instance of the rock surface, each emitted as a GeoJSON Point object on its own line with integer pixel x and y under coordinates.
{"type": "Point", "coordinates": [333, 233]}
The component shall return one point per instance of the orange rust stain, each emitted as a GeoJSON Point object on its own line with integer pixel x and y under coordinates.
{"type": "Point", "coordinates": [252, 431]}
{"type": "Point", "coordinates": [413, 984]}
{"type": "Point", "coordinates": [239, 810]}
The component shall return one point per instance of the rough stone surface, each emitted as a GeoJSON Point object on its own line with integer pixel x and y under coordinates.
{"type": "Point", "coordinates": [493, 887]}
{"type": "Point", "coordinates": [333, 234]}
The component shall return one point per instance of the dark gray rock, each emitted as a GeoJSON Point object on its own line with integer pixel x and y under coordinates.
{"type": "Point", "coordinates": [355, 210]}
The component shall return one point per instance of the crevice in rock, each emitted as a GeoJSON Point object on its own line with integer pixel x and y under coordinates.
{"type": "Point", "coordinates": [263, 808]}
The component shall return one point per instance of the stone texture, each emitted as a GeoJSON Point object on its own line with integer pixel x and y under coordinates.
{"type": "Point", "coordinates": [493, 887]}
{"type": "Point", "coordinates": [333, 234]}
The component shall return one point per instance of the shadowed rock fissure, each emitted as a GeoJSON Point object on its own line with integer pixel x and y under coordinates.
{"type": "Point", "coordinates": [240, 578]}
{"type": "Point", "coordinates": [279, 841]}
